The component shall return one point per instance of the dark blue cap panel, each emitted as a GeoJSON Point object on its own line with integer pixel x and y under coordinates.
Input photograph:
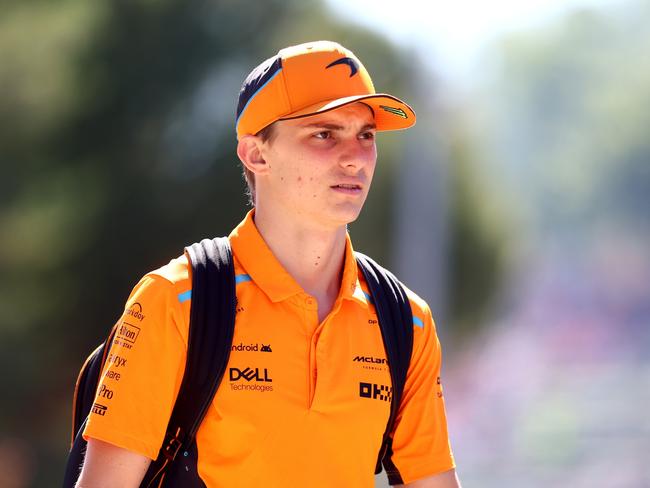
{"type": "Point", "coordinates": [256, 80]}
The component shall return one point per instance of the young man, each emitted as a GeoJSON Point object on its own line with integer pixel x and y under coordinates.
{"type": "Point", "coordinates": [306, 125]}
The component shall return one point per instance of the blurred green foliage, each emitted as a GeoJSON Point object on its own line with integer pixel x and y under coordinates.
{"type": "Point", "coordinates": [480, 236]}
{"type": "Point", "coordinates": [569, 117]}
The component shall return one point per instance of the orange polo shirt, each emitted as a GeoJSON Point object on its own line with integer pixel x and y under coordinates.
{"type": "Point", "coordinates": [302, 403]}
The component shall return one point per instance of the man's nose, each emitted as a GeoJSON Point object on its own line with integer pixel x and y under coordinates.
{"type": "Point", "coordinates": [355, 154]}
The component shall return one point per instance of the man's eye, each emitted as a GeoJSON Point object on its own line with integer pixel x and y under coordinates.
{"type": "Point", "coordinates": [367, 135]}
{"type": "Point", "coordinates": [323, 135]}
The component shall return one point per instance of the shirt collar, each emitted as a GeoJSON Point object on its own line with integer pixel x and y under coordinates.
{"type": "Point", "coordinates": [265, 270]}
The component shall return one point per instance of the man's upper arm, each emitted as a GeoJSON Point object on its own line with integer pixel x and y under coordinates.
{"type": "Point", "coordinates": [143, 372]}
{"type": "Point", "coordinates": [420, 447]}
{"type": "Point", "coordinates": [106, 465]}
{"type": "Point", "coordinates": [138, 385]}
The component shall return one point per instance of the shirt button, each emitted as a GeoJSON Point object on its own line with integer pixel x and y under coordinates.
{"type": "Point", "coordinates": [309, 301]}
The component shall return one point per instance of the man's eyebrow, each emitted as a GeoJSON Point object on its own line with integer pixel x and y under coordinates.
{"type": "Point", "coordinates": [329, 126]}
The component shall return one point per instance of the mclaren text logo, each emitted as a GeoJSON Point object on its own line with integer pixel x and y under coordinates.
{"type": "Point", "coordinates": [369, 359]}
{"type": "Point", "coordinates": [371, 362]}
{"type": "Point", "coordinates": [375, 392]}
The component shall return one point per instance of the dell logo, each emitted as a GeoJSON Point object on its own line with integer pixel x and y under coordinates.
{"type": "Point", "coordinates": [250, 374]}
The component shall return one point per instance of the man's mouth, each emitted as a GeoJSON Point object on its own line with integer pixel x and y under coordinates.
{"type": "Point", "coordinates": [350, 189]}
{"type": "Point", "coordinates": [345, 186]}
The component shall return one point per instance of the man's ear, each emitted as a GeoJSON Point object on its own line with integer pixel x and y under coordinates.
{"type": "Point", "coordinates": [249, 150]}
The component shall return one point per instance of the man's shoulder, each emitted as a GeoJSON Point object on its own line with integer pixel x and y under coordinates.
{"type": "Point", "coordinates": [422, 317]}
{"type": "Point", "coordinates": [177, 272]}
{"type": "Point", "coordinates": [419, 306]}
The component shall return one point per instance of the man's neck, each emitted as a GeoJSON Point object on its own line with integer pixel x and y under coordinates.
{"type": "Point", "coordinates": [313, 257]}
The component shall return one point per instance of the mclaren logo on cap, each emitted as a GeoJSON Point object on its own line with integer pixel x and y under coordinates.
{"type": "Point", "coordinates": [395, 111]}
{"type": "Point", "coordinates": [354, 65]}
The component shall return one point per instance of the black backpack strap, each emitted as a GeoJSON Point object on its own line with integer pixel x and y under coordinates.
{"type": "Point", "coordinates": [396, 323]}
{"type": "Point", "coordinates": [212, 324]}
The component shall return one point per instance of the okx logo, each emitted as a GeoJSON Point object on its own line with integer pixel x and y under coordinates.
{"type": "Point", "coordinates": [250, 374]}
{"type": "Point", "coordinates": [376, 392]}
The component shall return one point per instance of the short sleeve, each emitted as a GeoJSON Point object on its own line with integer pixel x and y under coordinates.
{"type": "Point", "coordinates": [420, 440]}
{"type": "Point", "coordinates": [143, 371]}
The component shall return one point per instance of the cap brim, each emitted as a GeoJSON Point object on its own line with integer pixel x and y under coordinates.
{"type": "Point", "coordinates": [390, 112]}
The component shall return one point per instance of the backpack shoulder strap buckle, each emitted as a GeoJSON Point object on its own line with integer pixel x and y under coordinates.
{"type": "Point", "coordinates": [172, 445]}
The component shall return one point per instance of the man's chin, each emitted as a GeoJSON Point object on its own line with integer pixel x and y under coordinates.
{"type": "Point", "coordinates": [346, 216]}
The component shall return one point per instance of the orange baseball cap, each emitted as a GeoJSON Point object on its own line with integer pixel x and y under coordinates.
{"type": "Point", "coordinates": [312, 78]}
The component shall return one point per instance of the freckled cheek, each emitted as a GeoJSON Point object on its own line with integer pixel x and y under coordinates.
{"type": "Point", "coordinates": [302, 177]}
{"type": "Point", "coordinates": [301, 182]}
{"type": "Point", "coordinates": [293, 172]}
{"type": "Point", "coordinates": [305, 184]}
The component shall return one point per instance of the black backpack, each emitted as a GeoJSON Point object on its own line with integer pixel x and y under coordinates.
{"type": "Point", "coordinates": [212, 319]}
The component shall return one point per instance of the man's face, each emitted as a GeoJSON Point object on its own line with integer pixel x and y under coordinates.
{"type": "Point", "coordinates": [321, 166]}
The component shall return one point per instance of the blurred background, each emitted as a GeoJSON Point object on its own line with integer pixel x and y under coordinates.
{"type": "Point", "coordinates": [519, 206]}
